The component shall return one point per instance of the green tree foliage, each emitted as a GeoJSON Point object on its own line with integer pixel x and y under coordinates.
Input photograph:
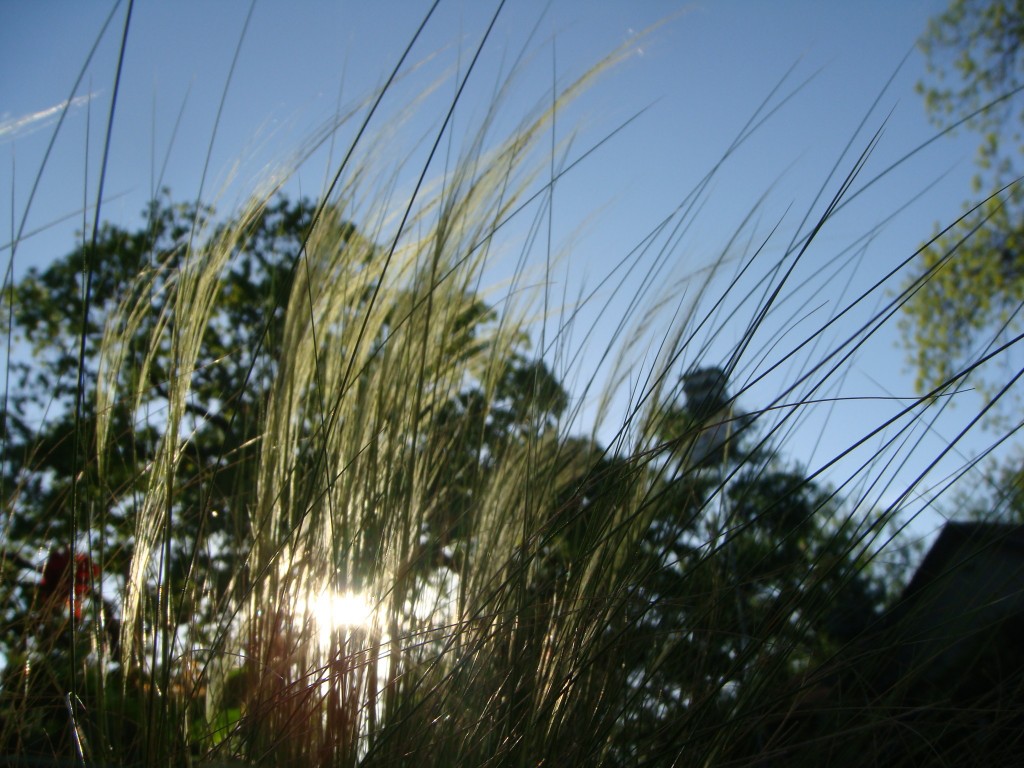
{"type": "Point", "coordinates": [748, 575]}
{"type": "Point", "coordinates": [642, 598]}
{"type": "Point", "coordinates": [238, 354]}
{"type": "Point", "coordinates": [226, 413]}
{"type": "Point", "coordinates": [972, 298]}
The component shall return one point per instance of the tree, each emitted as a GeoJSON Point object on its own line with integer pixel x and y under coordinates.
{"type": "Point", "coordinates": [748, 575]}
{"type": "Point", "coordinates": [973, 292]}
{"type": "Point", "coordinates": [637, 597]}
{"type": "Point", "coordinates": [76, 485]}
{"type": "Point", "coordinates": [58, 496]}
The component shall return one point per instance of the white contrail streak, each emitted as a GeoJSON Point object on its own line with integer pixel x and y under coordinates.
{"type": "Point", "coordinates": [16, 126]}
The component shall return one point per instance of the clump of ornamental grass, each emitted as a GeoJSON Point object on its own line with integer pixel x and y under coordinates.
{"type": "Point", "coordinates": [431, 559]}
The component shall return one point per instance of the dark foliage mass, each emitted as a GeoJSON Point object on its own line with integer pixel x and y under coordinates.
{"type": "Point", "coordinates": [743, 572]}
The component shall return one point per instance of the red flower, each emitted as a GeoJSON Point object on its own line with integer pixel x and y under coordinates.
{"type": "Point", "coordinates": [57, 578]}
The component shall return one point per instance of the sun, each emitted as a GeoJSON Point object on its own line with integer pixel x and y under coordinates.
{"type": "Point", "coordinates": [334, 610]}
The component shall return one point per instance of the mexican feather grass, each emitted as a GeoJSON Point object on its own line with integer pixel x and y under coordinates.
{"type": "Point", "coordinates": [430, 559]}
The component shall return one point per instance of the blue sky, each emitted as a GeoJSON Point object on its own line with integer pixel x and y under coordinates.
{"type": "Point", "coordinates": [699, 76]}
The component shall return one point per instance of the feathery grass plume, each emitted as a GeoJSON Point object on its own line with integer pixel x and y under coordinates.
{"type": "Point", "coordinates": [376, 342]}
